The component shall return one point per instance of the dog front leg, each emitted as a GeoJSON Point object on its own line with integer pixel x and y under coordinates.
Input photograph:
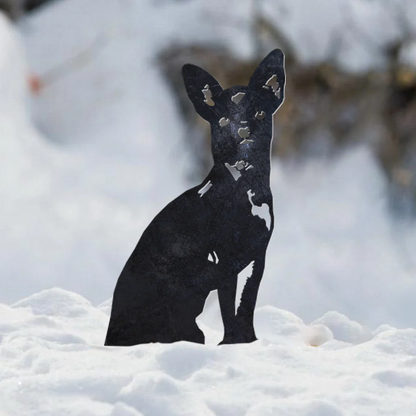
{"type": "Point", "coordinates": [243, 323]}
{"type": "Point", "coordinates": [226, 297]}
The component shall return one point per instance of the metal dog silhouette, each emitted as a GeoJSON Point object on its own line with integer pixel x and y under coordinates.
{"type": "Point", "coordinates": [204, 238]}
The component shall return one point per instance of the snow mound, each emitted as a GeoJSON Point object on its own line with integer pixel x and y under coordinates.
{"type": "Point", "coordinates": [400, 379]}
{"type": "Point", "coordinates": [56, 302]}
{"type": "Point", "coordinates": [399, 341]}
{"type": "Point", "coordinates": [54, 315]}
{"type": "Point", "coordinates": [318, 334]}
{"type": "Point", "coordinates": [54, 363]}
{"type": "Point", "coordinates": [342, 327]}
{"type": "Point", "coordinates": [277, 325]}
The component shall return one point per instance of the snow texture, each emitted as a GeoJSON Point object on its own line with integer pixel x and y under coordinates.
{"type": "Point", "coordinates": [52, 362]}
{"type": "Point", "coordinates": [107, 154]}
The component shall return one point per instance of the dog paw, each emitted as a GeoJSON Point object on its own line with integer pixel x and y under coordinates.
{"type": "Point", "coordinates": [238, 339]}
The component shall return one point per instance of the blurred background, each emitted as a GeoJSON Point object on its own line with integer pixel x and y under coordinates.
{"type": "Point", "coordinates": [97, 135]}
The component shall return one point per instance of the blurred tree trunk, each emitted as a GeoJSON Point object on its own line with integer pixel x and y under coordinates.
{"type": "Point", "coordinates": [15, 9]}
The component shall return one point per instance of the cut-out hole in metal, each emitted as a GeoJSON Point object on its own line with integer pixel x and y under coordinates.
{"type": "Point", "coordinates": [234, 171]}
{"type": "Point", "coordinates": [274, 85]}
{"type": "Point", "coordinates": [240, 165]}
{"type": "Point", "coordinates": [246, 141]}
{"type": "Point", "coordinates": [238, 97]}
{"type": "Point", "coordinates": [237, 167]}
{"type": "Point", "coordinates": [244, 132]}
{"type": "Point", "coordinates": [208, 96]}
{"type": "Point", "coordinates": [262, 211]}
{"type": "Point", "coordinates": [205, 189]}
{"type": "Point", "coordinates": [213, 258]}
{"type": "Point", "coordinates": [224, 121]}
{"type": "Point", "coordinates": [260, 115]}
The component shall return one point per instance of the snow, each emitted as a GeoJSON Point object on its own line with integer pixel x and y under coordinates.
{"type": "Point", "coordinates": [336, 246]}
{"type": "Point", "coordinates": [355, 34]}
{"type": "Point", "coordinates": [53, 362]}
{"type": "Point", "coordinates": [336, 306]}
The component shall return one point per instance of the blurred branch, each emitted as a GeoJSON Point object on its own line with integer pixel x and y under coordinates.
{"type": "Point", "coordinates": [58, 71]}
{"type": "Point", "coordinates": [263, 25]}
{"type": "Point", "coordinates": [13, 8]}
{"type": "Point", "coordinates": [16, 9]}
{"type": "Point", "coordinates": [404, 23]}
{"type": "Point", "coordinates": [354, 29]}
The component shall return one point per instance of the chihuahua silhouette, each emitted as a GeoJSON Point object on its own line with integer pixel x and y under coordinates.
{"type": "Point", "coordinates": [204, 238]}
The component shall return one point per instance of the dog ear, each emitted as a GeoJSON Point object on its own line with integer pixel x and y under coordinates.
{"type": "Point", "coordinates": [201, 88]}
{"type": "Point", "coordinates": [269, 79]}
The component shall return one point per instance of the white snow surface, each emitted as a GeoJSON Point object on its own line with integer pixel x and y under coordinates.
{"type": "Point", "coordinates": [107, 154]}
{"type": "Point", "coordinates": [53, 363]}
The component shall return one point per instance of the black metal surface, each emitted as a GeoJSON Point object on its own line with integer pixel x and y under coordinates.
{"type": "Point", "coordinates": [205, 237]}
